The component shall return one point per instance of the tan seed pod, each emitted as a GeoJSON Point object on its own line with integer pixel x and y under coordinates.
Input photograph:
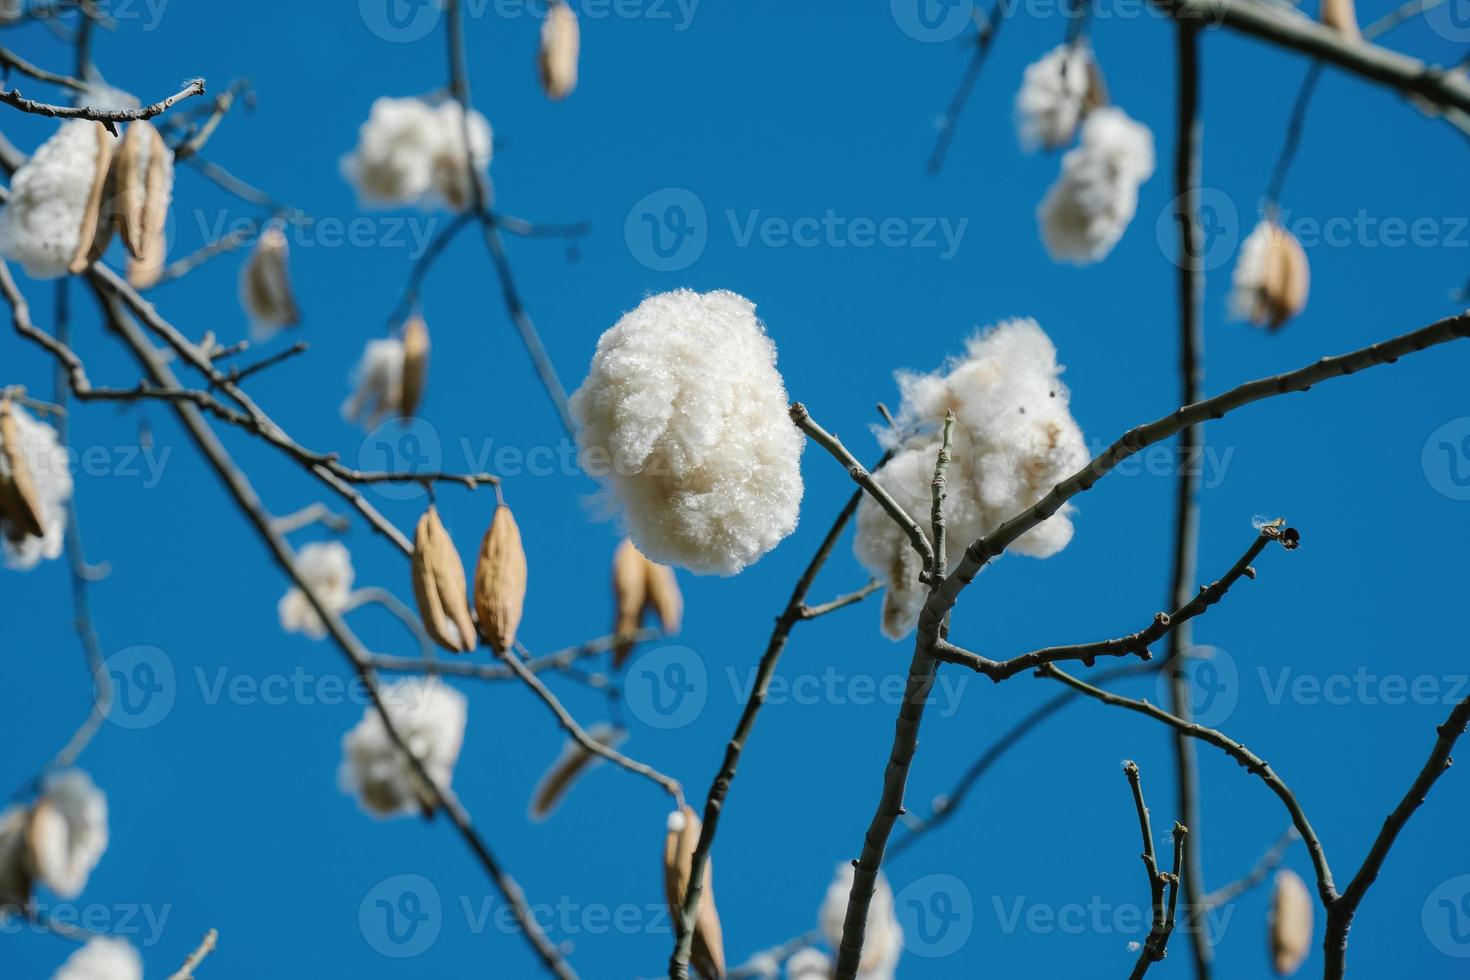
{"type": "Point", "coordinates": [415, 365]}
{"type": "Point", "coordinates": [1341, 16]}
{"type": "Point", "coordinates": [144, 182]}
{"type": "Point", "coordinates": [569, 766]}
{"type": "Point", "coordinates": [144, 273]}
{"type": "Point", "coordinates": [707, 954]}
{"type": "Point", "coordinates": [561, 41]}
{"type": "Point", "coordinates": [96, 230]}
{"type": "Point", "coordinates": [20, 503]}
{"type": "Point", "coordinates": [439, 586]}
{"type": "Point", "coordinates": [1290, 925]}
{"type": "Point", "coordinates": [500, 581]}
{"type": "Point", "coordinates": [1284, 291]}
{"type": "Point", "coordinates": [665, 598]}
{"type": "Point", "coordinates": [265, 283]}
{"type": "Point", "coordinates": [1097, 88]}
{"type": "Point", "coordinates": [630, 595]}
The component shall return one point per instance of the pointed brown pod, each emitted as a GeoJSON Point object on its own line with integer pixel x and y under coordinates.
{"type": "Point", "coordinates": [571, 764]}
{"type": "Point", "coordinates": [1341, 16]}
{"type": "Point", "coordinates": [20, 504]}
{"type": "Point", "coordinates": [144, 183]}
{"type": "Point", "coordinates": [665, 598]}
{"type": "Point", "coordinates": [1290, 926]}
{"type": "Point", "coordinates": [96, 230]}
{"type": "Point", "coordinates": [265, 282]}
{"type": "Point", "coordinates": [415, 365]}
{"type": "Point", "coordinates": [561, 42]}
{"type": "Point", "coordinates": [439, 586]}
{"type": "Point", "coordinates": [707, 953]}
{"type": "Point", "coordinates": [1287, 281]}
{"type": "Point", "coordinates": [144, 273]}
{"type": "Point", "coordinates": [500, 581]}
{"type": "Point", "coordinates": [640, 584]}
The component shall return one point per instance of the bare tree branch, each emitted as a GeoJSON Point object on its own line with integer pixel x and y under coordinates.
{"type": "Point", "coordinates": [107, 117]}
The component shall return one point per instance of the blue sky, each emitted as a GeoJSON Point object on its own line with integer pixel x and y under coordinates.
{"type": "Point", "coordinates": [755, 118]}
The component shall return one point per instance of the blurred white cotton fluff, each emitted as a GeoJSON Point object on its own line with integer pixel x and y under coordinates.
{"type": "Point", "coordinates": [68, 832]}
{"type": "Point", "coordinates": [882, 937]}
{"type": "Point", "coordinates": [430, 716]}
{"type": "Point", "coordinates": [684, 416]}
{"type": "Point", "coordinates": [1014, 439]}
{"type": "Point", "coordinates": [49, 466]}
{"type": "Point", "coordinates": [1089, 206]}
{"type": "Point", "coordinates": [809, 964]}
{"type": "Point", "coordinates": [377, 383]}
{"type": "Point", "coordinates": [327, 567]}
{"type": "Point", "coordinates": [102, 958]}
{"type": "Point", "coordinates": [41, 224]}
{"type": "Point", "coordinates": [1053, 96]}
{"type": "Point", "coordinates": [410, 151]}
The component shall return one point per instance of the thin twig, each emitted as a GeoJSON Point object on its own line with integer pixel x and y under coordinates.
{"type": "Point", "coordinates": [1156, 946]}
{"type": "Point", "coordinates": [108, 117]}
{"type": "Point", "coordinates": [206, 946]}
{"type": "Point", "coordinates": [1269, 862]}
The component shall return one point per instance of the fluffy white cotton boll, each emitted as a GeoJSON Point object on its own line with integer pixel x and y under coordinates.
{"type": "Point", "coordinates": [327, 567]}
{"type": "Point", "coordinates": [40, 226]}
{"type": "Point", "coordinates": [102, 958]}
{"type": "Point", "coordinates": [883, 936]}
{"type": "Point", "coordinates": [1053, 96]}
{"type": "Point", "coordinates": [685, 417]}
{"type": "Point", "coordinates": [50, 470]}
{"type": "Point", "coordinates": [1087, 209]}
{"type": "Point", "coordinates": [410, 152]}
{"type": "Point", "coordinates": [809, 964]}
{"type": "Point", "coordinates": [68, 832]}
{"type": "Point", "coordinates": [1014, 439]}
{"type": "Point", "coordinates": [377, 383]}
{"type": "Point", "coordinates": [430, 716]}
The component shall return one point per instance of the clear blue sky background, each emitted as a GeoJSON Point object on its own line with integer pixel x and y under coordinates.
{"type": "Point", "coordinates": [226, 813]}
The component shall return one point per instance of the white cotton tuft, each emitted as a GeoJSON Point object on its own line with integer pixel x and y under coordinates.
{"type": "Point", "coordinates": [676, 821]}
{"type": "Point", "coordinates": [1014, 439]}
{"type": "Point", "coordinates": [684, 416]}
{"type": "Point", "coordinates": [377, 383]}
{"type": "Point", "coordinates": [430, 716]}
{"type": "Point", "coordinates": [1087, 209]}
{"type": "Point", "coordinates": [410, 151]}
{"type": "Point", "coordinates": [102, 958]}
{"type": "Point", "coordinates": [883, 936]}
{"type": "Point", "coordinates": [68, 832]}
{"type": "Point", "coordinates": [327, 567]}
{"type": "Point", "coordinates": [50, 469]}
{"type": "Point", "coordinates": [809, 964]}
{"type": "Point", "coordinates": [41, 225]}
{"type": "Point", "coordinates": [1053, 96]}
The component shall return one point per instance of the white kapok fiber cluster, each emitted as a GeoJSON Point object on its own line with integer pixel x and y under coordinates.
{"type": "Point", "coordinates": [684, 415]}
{"type": "Point", "coordinates": [883, 937]}
{"type": "Point", "coordinates": [41, 224]}
{"type": "Point", "coordinates": [377, 383]}
{"type": "Point", "coordinates": [327, 566]}
{"type": "Point", "coordinates": [102, 958]}
{"type": "Point", "coordinates": [430, 715]}
{"type": "Point", "coordinates": [1053, 96]}
{"type": "Point", "coordinates": [50, 469]}
{"type": "Point", "coordinates": [1014, 439]}
{"type": "Point", "coordinates": [413, 152]}
{"type": "Point", "coordinates": [1088, 208]}
{"type": "Point", "coordinates": [68, 832]}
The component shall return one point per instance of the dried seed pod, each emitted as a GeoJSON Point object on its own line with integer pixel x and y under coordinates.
{"type": "Point", "coordinates": [20, 503]}
{"type": "Point", "coordinates": [439, 586]}
{"type": "Point", "coordinates": [1284, 291]}
{"type": "Point", "coordinates": [665, 598]}
{"type": "Point", "coordinates": [707, 953]}
{"type": "Point", "coordinates": [500, 581]}
{"type": "Point", "coordinates": [265, 282]}
{"type": "Point", "coordinates": [1290, 923]}
{"type": "Point", "coordinates": [569, 766]}
{"type": "Point", "coordinates": [144, 273]}
{"type": "Point", "coordinates": [561, 40]}
{"type": "Point", "coordinates": [1097, 88]}
{"type": "Point", "coordinates": [96, 230]}
{"type": "Point", "coordinates": [144, 185]}
{"type": "Point", "coordinates": [415, 365]}
{"type": "Point", "coordinates": [630, 595]}
{"type": "Point", "coordinates": [1341, 16]}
